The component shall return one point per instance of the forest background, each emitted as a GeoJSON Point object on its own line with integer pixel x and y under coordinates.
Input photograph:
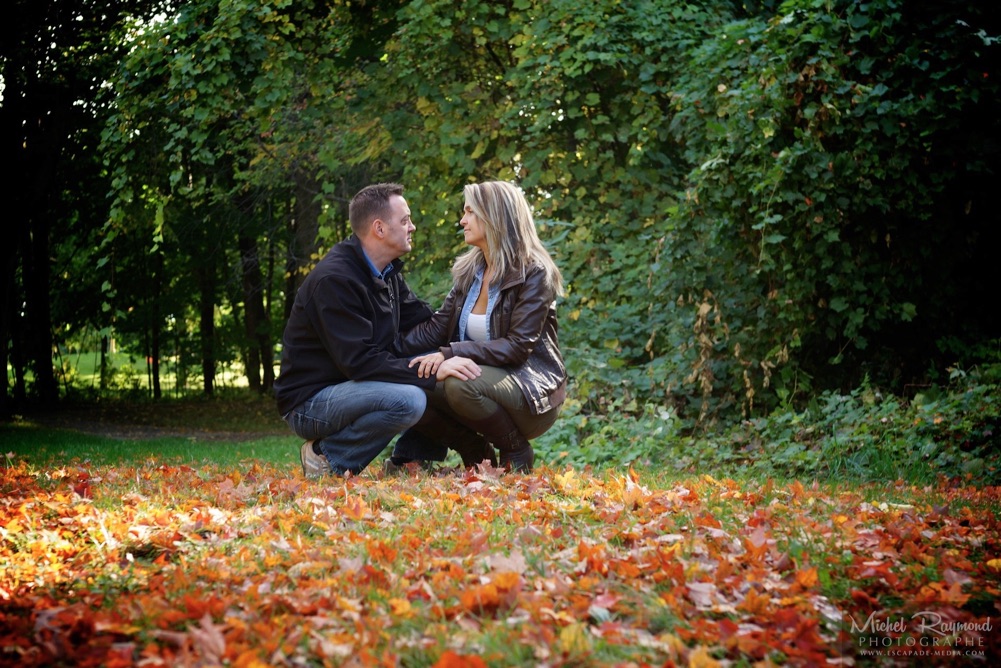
{"type": "Point", "coordinates": [777, 221]}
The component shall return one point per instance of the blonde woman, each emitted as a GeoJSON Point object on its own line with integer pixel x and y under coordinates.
{"type": "Point", "coordinates": [501, 315]}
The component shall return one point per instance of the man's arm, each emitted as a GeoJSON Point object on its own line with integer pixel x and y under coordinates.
{"type": "Point", "coordinates": [345, 320]}
{"type": "Point", "coordinates": [413, 311]}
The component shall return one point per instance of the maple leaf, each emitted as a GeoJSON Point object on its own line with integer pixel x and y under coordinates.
{"type": "Point", "coordinates": [208, 641]}
{"type": "Point", "coordinates": [481, 599]}
{"type": "Point", "coordinates": [702, 594]}
{"type": "Point", "coordinates": [755, 603]}
{"type": "Point", "coordinates": [574, 640]}
{"type": "Point", "coordinates": [401, 607]}
{"type": "Point", "coordinates": [943, 593]}
{"type": "Point", "coordinates": [450, 659]}
{"type": "Point", "coordinates": [701, 658]}
{"type": "Point", "coordinates": [807, 579]}
{"type": "Point", "coordinates": [356, 508]}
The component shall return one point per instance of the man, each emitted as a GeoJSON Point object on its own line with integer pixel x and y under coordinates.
{"type": "Point", "coordinates": [341, 387]}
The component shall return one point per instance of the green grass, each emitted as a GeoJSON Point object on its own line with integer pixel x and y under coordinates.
{"type": "Point", "coordinates": [51, 447]}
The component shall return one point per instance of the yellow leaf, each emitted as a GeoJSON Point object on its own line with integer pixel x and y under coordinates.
{"type": "Point", "coordinates": [566, 481]}
{"type": "Point", "coordinates": [401, 607]}
{"type": "Point", "coordinates": [574, 639]}
{"type": "Point", "coordinates": [700, 658]}
{"type": "Point", "coordinates": [994, 565]}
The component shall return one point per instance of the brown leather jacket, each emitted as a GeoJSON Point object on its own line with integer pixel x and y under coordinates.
{"type": "Point", "coordinates": [524, 340]}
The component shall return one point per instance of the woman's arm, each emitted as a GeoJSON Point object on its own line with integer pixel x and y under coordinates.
{"type": "Point", "coordinates": [432, 333]}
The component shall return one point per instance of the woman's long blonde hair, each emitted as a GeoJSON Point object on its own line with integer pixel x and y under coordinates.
{"type": "Point", "coordinates": [512, 239]}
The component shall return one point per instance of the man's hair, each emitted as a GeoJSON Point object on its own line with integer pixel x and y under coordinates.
{"type": "Point", "coordinates": [370, 203]}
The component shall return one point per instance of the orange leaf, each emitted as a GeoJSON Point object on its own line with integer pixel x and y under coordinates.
{"type": "Point", "coordinates": [755, 602]}
{"type": "Point", "coordinates": [808, 578]}
{"type": "Point", "coordinates": [952, 594]}
{"type": "Point", "coordinates": [401, 607]}
{"type": "Point", "coordinates": [380, 551]}
{"type": "Point", "coordinates": [480, 599]}
{"type": "Point", "coordinates": [356, 508]}
{"type": "Point", "coordinates": [506, 580]}
{"type": "Point", "coordinates": [452, 660]}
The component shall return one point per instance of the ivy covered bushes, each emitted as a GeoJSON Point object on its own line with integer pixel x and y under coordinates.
{"type": "Point", "coordinates": [838, 217]}
{"type": "Point", "coordinates": [951, 430]}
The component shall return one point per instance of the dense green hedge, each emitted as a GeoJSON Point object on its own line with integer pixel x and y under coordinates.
{"type": "Point", "coordinates": [948, 431]}
{"type": "Point", "coordinates": [756, 206]}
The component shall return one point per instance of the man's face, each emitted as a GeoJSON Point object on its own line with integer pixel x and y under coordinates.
{"type": "Point", "coordinates": [397, 227]}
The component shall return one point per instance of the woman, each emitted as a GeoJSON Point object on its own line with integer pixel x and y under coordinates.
{"type": "Point", "coordinates": [501, 314]}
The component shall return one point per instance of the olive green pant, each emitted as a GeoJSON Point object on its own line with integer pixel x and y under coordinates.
{"type": "Point", "coordinates": [479, 398]}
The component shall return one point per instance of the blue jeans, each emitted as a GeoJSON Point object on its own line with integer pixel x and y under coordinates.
{"type": "Point", "coordinates": [354, 421]}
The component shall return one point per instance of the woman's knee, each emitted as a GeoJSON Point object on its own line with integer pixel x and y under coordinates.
{"type": "Point", "coordinates": [458, 391]}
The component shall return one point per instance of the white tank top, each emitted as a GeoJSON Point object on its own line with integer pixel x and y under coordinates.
{"type": "Point", "coordinates": [476, 327]}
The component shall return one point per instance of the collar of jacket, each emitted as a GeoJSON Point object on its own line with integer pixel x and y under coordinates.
{"type": "Point", "coordinates": [513, 277]}
{"type": "Point", "coordinates": [354, 243]}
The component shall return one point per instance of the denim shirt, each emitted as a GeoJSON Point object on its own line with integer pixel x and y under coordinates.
{"type": "Point", "coordinates": [375, 272]}
{"type": "Point", "coordinates": [467, 308]}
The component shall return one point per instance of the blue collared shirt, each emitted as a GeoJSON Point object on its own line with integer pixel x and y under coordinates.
{"type": "Point", "coordinates": [375, 272]}
{"type": "Point", "coordinates": [474, 291]}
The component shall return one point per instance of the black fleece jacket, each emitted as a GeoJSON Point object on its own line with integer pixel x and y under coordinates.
{"type": "Point", "coordinates": [343, 325]}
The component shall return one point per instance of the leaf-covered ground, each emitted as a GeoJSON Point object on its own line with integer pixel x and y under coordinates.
{"type": "Point", "coordinates": [169, 565]}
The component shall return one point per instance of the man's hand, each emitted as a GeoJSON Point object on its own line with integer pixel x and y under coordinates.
{"type": "Point", "coordinates": [428, 364]}
{"type": "Point", "coordinates": [462, 368]}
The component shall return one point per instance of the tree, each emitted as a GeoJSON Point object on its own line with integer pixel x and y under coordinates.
{"type": "Point", "coordinates": [55, 57]}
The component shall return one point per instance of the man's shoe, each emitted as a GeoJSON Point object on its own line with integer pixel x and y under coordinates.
{"type": "Point", "coordinates": [390, 469]}
{"type": "Point", "coordinates": [313, 465]}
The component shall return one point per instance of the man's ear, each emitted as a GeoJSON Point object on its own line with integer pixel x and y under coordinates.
{"type": "Point", "coordinates": [378, 228]}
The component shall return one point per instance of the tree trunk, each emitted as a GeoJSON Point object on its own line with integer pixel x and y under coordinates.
{"type": "Point", "coordinates": [258, 327]}
{"type": "Point", "coordinates": [155, 324]}
{"type": "Point", "coordinates": [206, 308]}
{"type": "Point", "coordinates": [304, 228]}
{"type": "Point", "coordinates": [37, 307]}
{"type": "Point", "coordinates": [7, 319]}
{"type": "Point", "coordinates": [104, 364]}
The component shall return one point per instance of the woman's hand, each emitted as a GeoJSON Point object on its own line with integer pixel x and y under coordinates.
{"type": "Point", "coordinates": [462, 368]}
{"type": "Point", "coordinates": [427, 365]}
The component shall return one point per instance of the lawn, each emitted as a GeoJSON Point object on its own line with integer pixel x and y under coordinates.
{"type": "Point", "coordinates": [182, 551]}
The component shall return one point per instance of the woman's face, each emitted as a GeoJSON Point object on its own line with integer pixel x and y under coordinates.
{"type": "Point", "coordinates": [472, 229]}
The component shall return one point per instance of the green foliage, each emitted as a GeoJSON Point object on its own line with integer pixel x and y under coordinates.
{"type": "Point", "coordinates": [755, 206]}
{"type": "Point", "coordinates": [867, 434]}
{"type": "Point", "coordinates": [832, 151]}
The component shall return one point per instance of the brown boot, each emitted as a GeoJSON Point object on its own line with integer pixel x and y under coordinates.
{"type": "Point", "coordinates": [515, 450]}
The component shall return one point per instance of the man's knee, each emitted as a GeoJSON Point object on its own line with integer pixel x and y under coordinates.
{"type": "Point", "coordinates": [411, 403]}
